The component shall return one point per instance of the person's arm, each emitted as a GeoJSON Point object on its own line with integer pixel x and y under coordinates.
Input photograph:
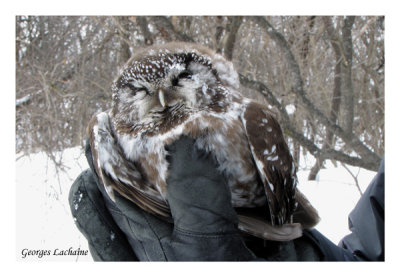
{"type": "Point", "coordinates": [367, 222]}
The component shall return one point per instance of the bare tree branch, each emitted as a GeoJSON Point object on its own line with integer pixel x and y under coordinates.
{"type": "Point", "coordinates": [354, 177]}
{"type": "Point", "coordinates": [84, 58]}
{"type": "Point", "coordinates": [235, 22]}
{"type": "Point", "coordinates": [142, 22]}
{"type": "Point", "coordinates": [167, 29]}
{"type": "Point", "coordinates": [25, 99]}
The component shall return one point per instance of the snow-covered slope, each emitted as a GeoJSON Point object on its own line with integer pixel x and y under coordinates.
{"type": "Point", "coordinates": [44, 220]}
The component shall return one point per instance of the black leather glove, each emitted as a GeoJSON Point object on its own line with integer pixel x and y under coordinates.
{"type": "Point", "coordinates": [198, 194]}
{"type": "Point", "coordinates": [205, 223]}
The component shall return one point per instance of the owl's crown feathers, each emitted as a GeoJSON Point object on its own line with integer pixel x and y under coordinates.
{"type": "Point", "coordinates": [154, 63]}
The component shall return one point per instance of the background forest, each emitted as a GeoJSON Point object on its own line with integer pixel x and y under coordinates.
{"type": "Point", "coordinates": [324, 76]}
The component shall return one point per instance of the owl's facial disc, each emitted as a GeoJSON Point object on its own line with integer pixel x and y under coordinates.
{"type": "Point", "coordinates": [179, 86]}
{"type": "Point", "coordinates": [153, 84]}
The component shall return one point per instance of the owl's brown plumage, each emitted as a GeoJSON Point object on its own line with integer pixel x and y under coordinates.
{"type": "Point", "coordinates": [176, 89]}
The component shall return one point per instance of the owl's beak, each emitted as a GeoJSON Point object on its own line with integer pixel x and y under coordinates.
{"type": "Point", "coordinates": [161, 97]}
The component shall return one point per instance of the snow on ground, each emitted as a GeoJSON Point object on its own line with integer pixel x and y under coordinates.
{"type": "Point", "coordinates": [44, 220]}
{"type": "Point", "coordinates": [334, 194]}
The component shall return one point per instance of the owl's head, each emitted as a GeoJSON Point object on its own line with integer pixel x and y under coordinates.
{"type": "Point", "coordinates": [159, 78]}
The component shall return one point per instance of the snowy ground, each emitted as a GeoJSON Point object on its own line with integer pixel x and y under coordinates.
{"type": "Point", "coordinates": [334, 194]}
{"type": "Point", "coordinates": [44, 220]}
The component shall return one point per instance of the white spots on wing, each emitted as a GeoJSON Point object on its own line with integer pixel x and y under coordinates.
{"type": "Point", "coordinates": [294, 182]}
{"type": "Point", "coordinates": [272, 159]}
{"type": "Point", "coordinates": [269, 129]}
{"type": "Point", "coordinates": [273, 149]}
{"type": "Point", "coordinates": [263, 122]}
{"type": "Point", "coordinates": [271, 186]}
{"type": "Point", "coordinates": [269, 154]}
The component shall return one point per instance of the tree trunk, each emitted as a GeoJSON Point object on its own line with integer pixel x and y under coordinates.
{"type": "Point", "coordinates": [234, 25]}
{"type": "Point", "coordinates": [142, 22]}
{"type": "Point", "coordinates": [347, 83]}
{"type": "Point", "coordinates": [337, 91]}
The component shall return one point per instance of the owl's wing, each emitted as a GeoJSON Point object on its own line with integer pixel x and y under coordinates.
{"type": "Point", "coordinates": [118, 173]}
{"type": "Point", "coordinates": [273, 161]}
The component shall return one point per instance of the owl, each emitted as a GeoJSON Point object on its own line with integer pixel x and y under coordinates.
{"type": "Point", "coordinates": [176, 89]}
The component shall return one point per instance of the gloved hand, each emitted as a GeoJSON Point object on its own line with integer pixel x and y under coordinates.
{"type": "Point", "coordinates": [204, 225]}
{"type": "Point", "coordinates": [198, 194]}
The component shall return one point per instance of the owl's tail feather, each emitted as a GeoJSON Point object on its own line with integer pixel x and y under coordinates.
{"type": "Point", "coordinates": [305, 213]}
{"type": "Point", "coordinates": [261, 229]}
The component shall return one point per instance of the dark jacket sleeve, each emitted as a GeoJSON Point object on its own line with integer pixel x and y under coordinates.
{"type": "Point", "coordinates": [367, 222]}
